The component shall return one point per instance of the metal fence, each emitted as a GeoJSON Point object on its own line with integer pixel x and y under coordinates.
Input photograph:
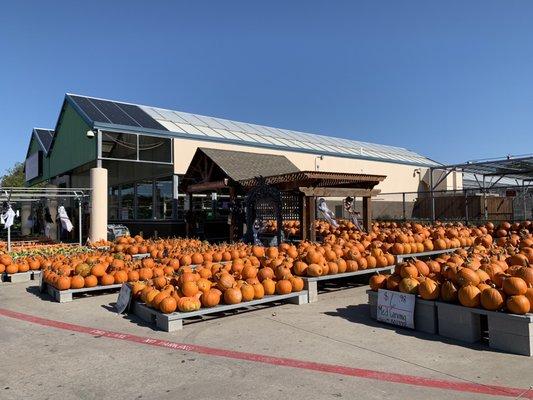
{"type": "Point", "coordinates": [469, 205]}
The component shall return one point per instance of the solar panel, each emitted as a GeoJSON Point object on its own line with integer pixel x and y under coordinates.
{"type": "Point", "coordinates": [45, 136]}
{"type": "Point", "coordinates": [89, 109]}
{"type": "Point", "coordinates": [115, 114]}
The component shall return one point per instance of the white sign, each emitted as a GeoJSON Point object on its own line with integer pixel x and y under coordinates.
{"type": "Point", "coordinates": [396, 308]}
{"type": "Point", "coordinates": [31, 166]}
{"type": "Point", "coordinates": [124, 297]}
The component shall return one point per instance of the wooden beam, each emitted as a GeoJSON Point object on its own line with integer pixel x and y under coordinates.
{"type": "Point", "coordinates": [338, 192]}
{"type": "Point", "coordinates": [303, 216]}
{"type": "Point", "coordinates": [367, 214]}
{"type": "Point", "coordinates": [206, 186]}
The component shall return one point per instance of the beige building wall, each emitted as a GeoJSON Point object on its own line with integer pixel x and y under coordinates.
{"type": "Point", "coordinates": [400, 177]}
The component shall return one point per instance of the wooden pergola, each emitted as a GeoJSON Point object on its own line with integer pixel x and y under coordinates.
{"type": "Point", "coordinates": [238, 173]}
{"type": "Point", "coordinates": [312, 184]}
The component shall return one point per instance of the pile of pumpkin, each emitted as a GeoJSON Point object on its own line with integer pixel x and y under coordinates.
{"type": "Point", "coordinates": [495, 278]}
{"type": "Point", "coordinates": [212, 283]}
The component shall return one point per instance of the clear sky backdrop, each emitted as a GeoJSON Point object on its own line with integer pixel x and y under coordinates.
{"type": "Point", "coordinates": [452, 80]}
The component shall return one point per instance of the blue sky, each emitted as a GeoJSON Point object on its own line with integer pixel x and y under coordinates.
{"type": "Point", "coordinates": [452, 80]}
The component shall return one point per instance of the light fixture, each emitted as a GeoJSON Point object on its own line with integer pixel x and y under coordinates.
{"type": "Point", "coordinates": [90, 133]}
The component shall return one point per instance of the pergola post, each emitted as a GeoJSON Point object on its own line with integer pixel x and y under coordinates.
{"type": "Point", "coordinates": [303, 216]}
{"type": "Point", "coordinates": [232, 216]}
{"type": "Point", "coordinates": [311, 212]}
{"type": "Point", "coordinates": [189, 228]}
{"type": "Point", "coordinates": [367, 214]}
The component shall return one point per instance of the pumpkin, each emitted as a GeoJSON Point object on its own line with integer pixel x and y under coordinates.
{"type": "Point", "coordinates": [225, 281]}
{"type": "Point", "coordinates": [377, 282]}
{"type": "Point", "coordinates": [63, 283]}
{"type": "Point", "coordinates": [120, 277]}
{"type": "Point", "coordinates": [259, 291]}
{"type": "Point", "coordinates": [168, 305]}
{"type": "Point", "coordinates": [492, 299]}
{"type": "Point", "coordinates": [529, 295]}
{"type": "Point", "coordinates": [247, 292]}
{"type": "Point", "coordinates": [189, 304]}
{"type": "Point", "coordinates": [514, 286]}
{"type": "Point", "coordinates": [315, 270]}
{"type": "Point", "coordinates": [189, 289]}
{"type": "Point", "coordinates": [270, 286]}
{"type": "Point", "coordinates": [409, 285]}
{"type": "Point", "coordinates": [469, 296]}
{"type": "Point", "coordinates": [90, 281]}
{"type": "Point", "coordinates": [107, 279]}
{"type": "Point", "coordinates": [232, 296]}
{"type": "Point", "coordinates": [448, 292]}
{"type": "Point", "coordinates": [393, 282]}
{"type": "Point", "coordinates": [429, 289]}
{"type": "Point", "coordinates": [77, 282]}
{"type": "Point", "coordinates": [156, 301]}
{"type": "Point", "coordinates": [98, 270]}
{"type": "Point", "coordinates": [283, 286]}
{"type": "Point", "coordinates": [210, 298]}
{"type": "Point", "coordinates": [408, 271]}
{"type": "Point", "coordinates": [297, 283]}
{"type": "Point", "coordinates": [518, 304]}
{"type": "Point", "coordinates": [466, 276]}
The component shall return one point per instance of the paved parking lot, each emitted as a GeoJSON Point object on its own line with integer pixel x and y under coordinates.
{"type": "Point", "coordinates": [329, 349]}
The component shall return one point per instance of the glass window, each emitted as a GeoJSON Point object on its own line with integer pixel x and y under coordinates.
{"type": "Point", "coordinates": [144, 200]}
{"type": "Point", "coordinates": [153, 148]}
{"type": "Point", "coordinates": [163, 199]}
{"type": "Point", "coordinates": [119, 145]}
{"type": "Point", "coordinates": [126, 200]}
{"type": "Point", "coordinates": [112, 203]}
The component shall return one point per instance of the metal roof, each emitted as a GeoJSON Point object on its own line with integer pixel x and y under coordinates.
{"type": "Point", "coordinates": [108, 114]}
{"type": "Point", "coordinates": [514, 167]}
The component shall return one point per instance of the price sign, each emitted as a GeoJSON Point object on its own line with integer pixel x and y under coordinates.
{"type": "Point", "coordinates": [396, 308]}
{"type": "Point", "coordinates": [124, 298]}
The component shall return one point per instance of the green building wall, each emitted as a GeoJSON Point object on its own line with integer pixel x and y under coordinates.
{"type": "Point", "coordinates": [71, 148]}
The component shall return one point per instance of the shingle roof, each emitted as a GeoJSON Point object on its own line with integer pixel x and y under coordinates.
{"type": "Point", "coordinates": [239, 165]}
{"type": "Point", "coordinates": [103, 114]}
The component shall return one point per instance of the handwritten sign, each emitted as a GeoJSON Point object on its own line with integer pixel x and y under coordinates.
{"type": "Point", "coordinates": [396, 308]}
{"type": "Point", "coordinates": [124, 298]}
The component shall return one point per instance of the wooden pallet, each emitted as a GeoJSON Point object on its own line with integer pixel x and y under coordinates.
{"type": "Point", "coordinates": [18, 277]}
{"type": "Point", "coordinates": [64, 296]}
{"type": "Point", "coordinates": [311, 282]}
{"type": "Point", "coordinates": [173, 322]}
{"type": "Point", "coordinates": [401, 257]}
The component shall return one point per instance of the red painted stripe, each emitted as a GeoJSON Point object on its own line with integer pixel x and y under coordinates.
{"type": "Point", "coordinates": [285, 362]}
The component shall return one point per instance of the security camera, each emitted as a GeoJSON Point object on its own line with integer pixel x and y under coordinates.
{"type": "Point", "coordinates": [90, 134]}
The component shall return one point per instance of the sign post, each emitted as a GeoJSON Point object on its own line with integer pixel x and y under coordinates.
{"type": "Point", "coordinates": [396, 308]}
